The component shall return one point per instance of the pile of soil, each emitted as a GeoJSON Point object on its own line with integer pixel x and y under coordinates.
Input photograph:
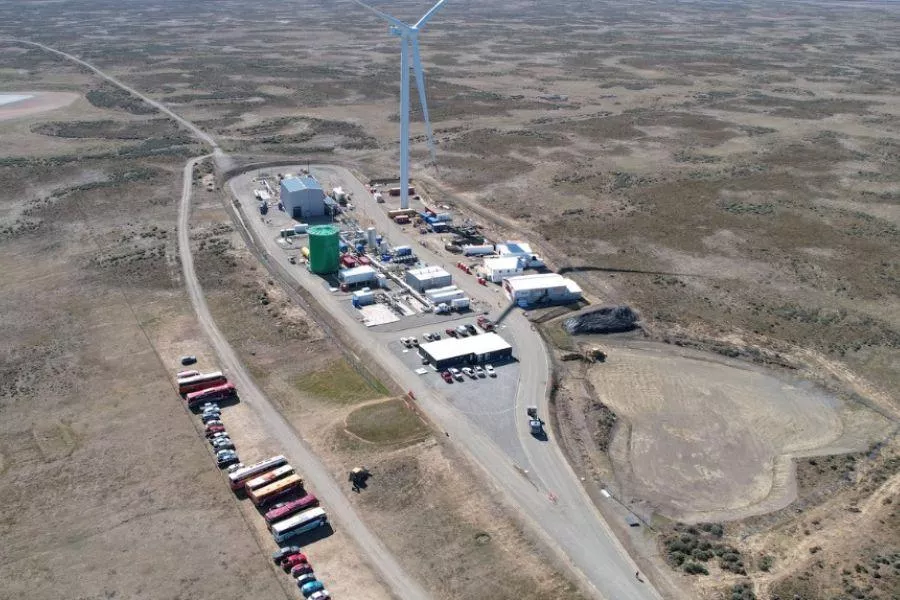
{"type": "Point", "coordinates": [608, 319]}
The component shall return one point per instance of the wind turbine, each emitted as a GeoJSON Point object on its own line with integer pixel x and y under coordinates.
{"type": "Point", "coordinates": [409, 40]}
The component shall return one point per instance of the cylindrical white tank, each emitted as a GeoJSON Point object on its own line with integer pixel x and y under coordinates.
{"type": "Point", "coordinates": [370, 237]}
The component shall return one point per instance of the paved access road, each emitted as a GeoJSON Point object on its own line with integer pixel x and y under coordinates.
{"type": "Point", "coordinates": [549, 495]}
{"type": "Point", "coordinates": [327, 489]}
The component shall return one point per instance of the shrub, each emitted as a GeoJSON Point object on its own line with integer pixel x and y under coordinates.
{"type": "Point", "coordinates": [693, 568]}
{"type": "Point", "coordinates": [765, 563]}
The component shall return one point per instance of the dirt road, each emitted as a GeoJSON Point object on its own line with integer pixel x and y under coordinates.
{"type": "Point", "coordinates": [340, 510]}
{"type": "Point", "coordinates": [327, 489]}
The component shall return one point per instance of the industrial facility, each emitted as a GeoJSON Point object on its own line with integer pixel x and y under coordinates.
{"type": "Point", "coordinates": [541, 288]}
{"type": "Point", "coordinates": [324, 249]}
{"type": "Point", "coordinates": [302, 197]}
{"type": "Point", "coordinates": [426, 278]}
{"type": "Point", "coordinates": [488, 347]}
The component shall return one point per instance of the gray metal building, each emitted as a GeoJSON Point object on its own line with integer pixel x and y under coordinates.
{"type": "Point", "coordinates": [426, 278]}
{"type": "Point", "coordinates": [303, 197]}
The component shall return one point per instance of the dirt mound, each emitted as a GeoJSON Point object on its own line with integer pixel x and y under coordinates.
{"type": "Point", "coordinates": [608, 319]}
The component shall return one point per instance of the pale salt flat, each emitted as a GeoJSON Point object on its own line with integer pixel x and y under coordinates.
{"type": "Point", "coordinates": [10, 98]}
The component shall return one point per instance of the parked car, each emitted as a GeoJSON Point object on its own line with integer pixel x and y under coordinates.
{"type": "Point", "coordinates": [469, 372]}
{"type": "Point", "coordinates": [451, 332]}
{"type": "Point", "coordinates": [405, 341]}
{"type": "Point", "coordinates": [214, 423]}
{"type": "Point", "coordinates": [209, 417]}
{"type": "Point", "coordinates": [213, 431]}
{"type": "Point", "coordinates": [188, 360]}
{"type": "Point", "coordinates": [485, 323]}
{"type": "Point", "coordinates": [435, 336]}
{"type": "Point", "coordinates": [283, 553]}
{"type": "Point", "coordinates": [322, 595]}
{"type": "Point", "coordinates": [462, 331]}
{"type": "Point", "coordinates": [234, 467]}
{"type": "Point", "coordinates": [489, 369]}
{"type": "Point", "coordinates": [311, 588]}
{"type": "Point", "coordinates": [479, 371]}
{"type": "Point", "coordinates": [471, 329]}
{"type": "Point", "coordinates": [207, 406]}
{"type": "Point", "coordinates": [301, 569]}
{"type": "Point", "coordinates": [293, 560]}
{"type": "Point", "coordinates": [457, 375]}
{"type": "Point", "coordinates": [413, 341]}
{"type": "Point", "coordinates": [223, 444]}
{"type": "Point", "coordinates": [217, 435]}
{"type": "Point", "coordinates": [447, 376]}
{"type": "Point", "coordinates": [305, 578]}
{"type": "Point", "coordinates": [225, 458]}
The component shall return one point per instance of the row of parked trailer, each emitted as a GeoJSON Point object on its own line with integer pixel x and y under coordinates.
{"type": "Point", "coordinates": [272, 485]}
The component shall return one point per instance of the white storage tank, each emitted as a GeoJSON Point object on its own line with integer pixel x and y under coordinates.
{"type": "Point", "coordinates": [300, 228]}
{"type": "Point", "coordinates": [371, 236]}
{"type": "Point", "coordinates": [480, 250]}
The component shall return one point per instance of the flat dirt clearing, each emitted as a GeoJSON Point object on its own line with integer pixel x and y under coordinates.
{"type": "Point", "coordinates": [708, 439]}
{"type": "Point", "coordinates": [36, 103]}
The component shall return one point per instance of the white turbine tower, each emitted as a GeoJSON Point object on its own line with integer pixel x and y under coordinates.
{"type": "Point", "coordinates": [409, 39]}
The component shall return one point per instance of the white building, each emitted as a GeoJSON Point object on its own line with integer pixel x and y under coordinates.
{"type": "Point", "coordinates": [357, 275]}
{"type": "Point", "coordinates": [541, 288]}
{"type": "Point", "coordinates": [521, 250]}
{"type": "Point", "coordinates": [498, 269]}
{"type": "Point", "coordinates": [487, 347]}
{"type": "Point", "coordinates": [302, 197]}
{"type": "Point", "coordinates": [426, 278]}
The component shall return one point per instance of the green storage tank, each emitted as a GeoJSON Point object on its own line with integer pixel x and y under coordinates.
{"type": "Point", "coordinates": [324, 249]}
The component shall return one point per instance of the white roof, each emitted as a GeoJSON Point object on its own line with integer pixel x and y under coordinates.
{"type": "Point", "coordinates": [363, 270]}
{"type": "Point", "coordinates": [474, 344]}
{"type": "Point", "coordinates": [502, 263]}
{"type": "Point", "coordinates": [537, 281]}
{"type": "Point", "coordinates": [514, 248]}
{"type": "Point", "coordinates": [431, 271]}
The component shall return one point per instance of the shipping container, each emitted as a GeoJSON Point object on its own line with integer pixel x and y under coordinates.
{"type": "Point", "coordinates": [395, 191]}
{"type": "Point", "coordinates": [301, 228]}
{"type": "Point", "coordinates": [459, 303]}
{"type": "Point", "coordinates": [402, 251]}
{"type": "Point", "coordinates": [347, 261]}
{"type": "Point", "coordinates": [401, 220]}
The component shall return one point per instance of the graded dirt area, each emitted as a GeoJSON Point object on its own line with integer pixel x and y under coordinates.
{"type": "Point", "coordinates": [32, 103]}
{"type": "Point", "coordinates": [702, 438]}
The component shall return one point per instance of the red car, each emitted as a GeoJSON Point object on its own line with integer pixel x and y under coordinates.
{"type": "Point", "coordinates": [293, 560]}
{"type": "Point", "coordinates": [451, 332]}
{"type": "Point", "coordinates": [447, 376]}
{"type": "Point", "coordinates": [211, 431]}
{"type": "Point", "coordinates": [301, 569]}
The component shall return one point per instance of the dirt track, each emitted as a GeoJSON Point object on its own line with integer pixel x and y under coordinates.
{"type": "Point", "coordinates": [708, 439]}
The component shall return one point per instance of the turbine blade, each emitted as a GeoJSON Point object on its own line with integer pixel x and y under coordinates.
{"type": "Point", "coordinates": [384, 16]}
{"type": "Point", "coordinates": [421, 22]}
{"type": "Point", "coordinates": [420, 84]}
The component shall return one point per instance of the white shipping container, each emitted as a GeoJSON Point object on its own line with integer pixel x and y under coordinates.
{"type": "Point", "coordinates": [459, 303]}
{"type": "Point", "coordinates": [301, 228]}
